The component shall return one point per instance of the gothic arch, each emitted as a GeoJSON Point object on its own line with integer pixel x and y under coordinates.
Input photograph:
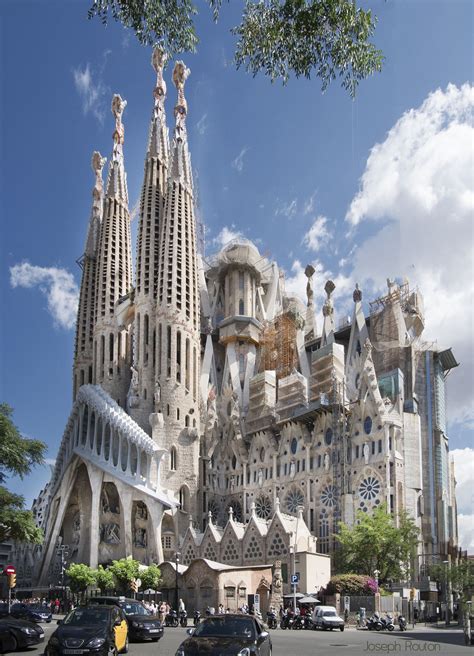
{"type": "Point", "coordinates": [111, 524]}
{"type": "Point", "coordinates": [75, 529]}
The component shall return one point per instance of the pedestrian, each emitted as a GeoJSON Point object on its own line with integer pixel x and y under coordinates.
{"type": "Point", "coordinates": [220, 610]}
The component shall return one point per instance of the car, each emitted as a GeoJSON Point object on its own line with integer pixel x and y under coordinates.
{"type": "Point", "coordinates": [142, 623]}
{"type": "Point", "coordinates": [221, 635]}
{"type": "Point", "coordinates": [94, 630]}
{"type": "Point", "coordinates": [326, 617]}
{"type": "Point", "coordinates": [19, 634]}
{"type": "Point", "coordinates": [31, 613]}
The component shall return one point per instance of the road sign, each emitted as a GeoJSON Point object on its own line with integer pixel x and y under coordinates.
{"type": "Point", "coordinates": [295, 578]}
{"type": "Point", "coordinates": [9, 569]}
{"type": "Point", "coordinates": [347, 603]}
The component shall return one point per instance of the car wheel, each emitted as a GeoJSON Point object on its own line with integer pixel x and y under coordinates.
{"type": "Point", "coordinates": [125, 648]}
{"type": "Point", "coordinates": [342, 628]}
{"type": "Point", "coordinates": [112, 650]}
{"type": "Point", "coordinates": [14, 646]}
{"type": "Point", "coordinates": [154, 639]}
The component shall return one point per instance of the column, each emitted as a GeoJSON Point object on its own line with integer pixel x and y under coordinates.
{"type": "Point", "coordinates": [95, 477]}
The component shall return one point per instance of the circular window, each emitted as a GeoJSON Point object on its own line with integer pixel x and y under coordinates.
{"type": "Point", "coordinates": [263, 507]}
{"type": "Point", "coordinates": [368, 425]}
{"type": "Point", "coordinates": [294, 498]}
{"type": "Point", "coordinates": [328, 436]}
{"type": "Point", "coordinates": [369, 488]}
{"type": "Point", "coordinates": [329, 496]}
{"type": "Point", "coordinates": [294, 445]}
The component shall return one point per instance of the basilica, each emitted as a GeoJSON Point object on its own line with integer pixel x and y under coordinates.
{"type": "Point", "coordinates": [218, 416]}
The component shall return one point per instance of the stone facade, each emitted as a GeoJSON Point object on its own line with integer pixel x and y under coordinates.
{"type": "Point", "coordinates": [203, 386]}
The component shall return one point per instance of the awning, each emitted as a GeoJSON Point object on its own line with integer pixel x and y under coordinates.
{"type": "Point", "coordinates": [298, 595]}
{"type": "Point", "coordinates": [308, 599]}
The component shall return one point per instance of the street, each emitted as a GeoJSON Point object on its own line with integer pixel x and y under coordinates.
{"type": "Point", "coordinates": [443, 641]}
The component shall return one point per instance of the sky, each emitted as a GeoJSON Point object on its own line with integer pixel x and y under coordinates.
{"type": "Point", "coordinates": [367, 189]}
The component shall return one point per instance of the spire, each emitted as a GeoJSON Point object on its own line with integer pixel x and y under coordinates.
{"type": "Point", "coordinates": [92, 241]}
{"type": "Point", "coordinates": [328, 313]}
{"type": "Point", "coordinates": [158, 144]}
{"type": "Point", "coordinates": [310, 323]}
{"type": "Point", "coordinates": [181, 162]}
{"type": "Point", "coordinates": [117, 179]}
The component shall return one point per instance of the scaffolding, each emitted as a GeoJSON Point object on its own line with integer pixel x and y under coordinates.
{"type": "Point", "coordinates": [278, 344]}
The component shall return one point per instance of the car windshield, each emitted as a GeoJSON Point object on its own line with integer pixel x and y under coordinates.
{"type": "Point", "coordinates": [222, 626]}
{"type": "Point", "coordinates": [134, 609]}
{"type": "Point", "coordinates": [87, 616]}
{"type": "Point", "coordinates": [329, 613]}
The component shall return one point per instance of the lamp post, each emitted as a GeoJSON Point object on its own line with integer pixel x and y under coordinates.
{"type": "Point", "coordinates": [293, 585]}
{"type": "Point", "coordinates": [63, 553]}
{"type": "Point", "coordinates": [176, 560]}
{"type": "Point", "coordinates": [446, 610]}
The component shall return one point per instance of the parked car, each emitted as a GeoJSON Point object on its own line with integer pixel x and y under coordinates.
{"type": "Point", "coordinates": [219, 635]}
{"type": "Point", "coordinates": [326, 617]}
{"type": "Point", "coordinates": [31, 613]}
{"type": "Point", "coordinates": [142, 623]}
{"type": "Point", "coordinates": [18, 634]}
{"type": "Point", "coordinates": [97, 630]}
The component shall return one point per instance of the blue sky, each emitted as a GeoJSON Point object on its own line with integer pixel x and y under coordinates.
{"type": "Point", "coordinates": [382, 186]}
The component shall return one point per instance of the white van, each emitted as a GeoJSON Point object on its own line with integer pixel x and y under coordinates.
{"type": "Point", "coordinates": [326, 617]}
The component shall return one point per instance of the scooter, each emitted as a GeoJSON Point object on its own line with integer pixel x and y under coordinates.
{"type": "Point", "coordinates": [197, 617]}
{"type": "Point", "coordinates": [171, 619]}
{"type": "Point", "coordinates": [183, 618]}
{"type": "Point", "coordinates": [387, 623]}
{"type": "Point", "coordinates": [272, 620]}
{"type": "Point", "coordinates": [287, 622]}
{"type": "Point", "coordinates": [298, 622]}
{"type": "Point", "coordinates": [374, 623]}
{"type": "Point", "coordinates": [402, 623]}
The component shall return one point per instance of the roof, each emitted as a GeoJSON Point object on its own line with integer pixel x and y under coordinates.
{"type": "Point", "coordinates": [447, 360]}
{"type": "Point", "coordinates": [221, 567]}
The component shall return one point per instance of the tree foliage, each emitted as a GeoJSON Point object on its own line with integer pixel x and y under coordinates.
{"type": "Point", "coordinates": [105, 579]}
{"type": "Point", "coordinates": [328, 38]}
{"type": "Point", "coordinates": [150, 577]}
{"type": "Point", "coordinates": [80, 577]}
{"type": "Point", "coordinates": [376, 543]}
{"type": "Point", "coordinates": [18, 455]}
{"type": "Point", "coordinates": [460, 576]}
{"type": "Point", "coordinates": [124, 571]}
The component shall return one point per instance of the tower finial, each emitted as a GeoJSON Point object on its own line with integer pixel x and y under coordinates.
{"type": "Point", "coordinates": [158, 61]}
{"type": "Point", "coordinates": [357, 295]}
{"type": "Point", "coordinates": [97, 163]}
{"type": "Point", "coordinates": [180, 75]}
{"type": "Point", "coordinates": [118, 107]}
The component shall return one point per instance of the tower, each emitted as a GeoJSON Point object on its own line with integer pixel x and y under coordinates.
{"type": "Point", "coordinates": [114, 273]}
{"type": "Point", "coordinates": [82, 369]}
{"type": "Point", "coordinates": [151, 214]}
{"type": "Point", "coordinates": [176, 395]}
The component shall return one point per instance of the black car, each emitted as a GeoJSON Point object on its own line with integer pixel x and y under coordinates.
{"type": "Point", "coordinates": [97, 630]}
{"type": "Point", "coordinates": [18, 634]}
{"type": "Point", "coordinates": [218, 635]}
{"type": "Point", "coordinates": [31, 613]}
{"type": "Point", "coordinates": [142, 623]}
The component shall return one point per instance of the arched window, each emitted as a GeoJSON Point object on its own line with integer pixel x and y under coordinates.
{"type": "Point", "coordinates": [173, 458]}
{"type": "Point", "coordinates": [241, 307]}
{"type": "Point", "coordinates": [183, 498]}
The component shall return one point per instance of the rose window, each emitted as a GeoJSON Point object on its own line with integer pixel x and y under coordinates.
{"type": "Point", "coordinates": [214, 508]}
{"type": "Point", "coordinates": [329, 496]}
{"type": "Point", "coordinates": [263, 507]}
{"type": "Point", "coordinates": [294, 498]}
{"type": "Point", "coordinates": [369, 488]}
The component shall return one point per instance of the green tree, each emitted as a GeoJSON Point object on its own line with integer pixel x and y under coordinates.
{"type": "Point", "coordinates": [460, 577]}
{"type": "Point", "coordinates": [80, 577]}
{"type": "Point", "coordinates": [328, 38]}
{"type": "Point", "coordinates": [124, 571]}
{"type": "Point", "coordinates": [18, 455]}
{"type": "Point", "coordinates": [151, 578]}
{"type": "Point", "coordinates": [105, 579]}
{"type": "Point", "coordinates": [376, 543]}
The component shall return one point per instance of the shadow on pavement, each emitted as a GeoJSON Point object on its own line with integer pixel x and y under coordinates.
{"type": "Point", "coordinates": [443, 637]}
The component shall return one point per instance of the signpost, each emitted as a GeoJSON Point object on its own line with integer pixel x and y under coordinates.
{"type": "Point", "coordinates": [10, 571]}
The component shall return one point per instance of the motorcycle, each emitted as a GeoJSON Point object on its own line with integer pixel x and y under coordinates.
{"type": "Point", "coordinates": [171, 619]}
{"type": "Point", "coordinates": [287, 622]}
{"type": "Point", "coordinates": [298, 622]}
{"type": "Point", "coordinates": [272, 620]}
{"type": "Point", "coordinates": [197, 617]}
{"type": "Point", "coordinates": [387, 623]}
{"type": "Point", "coordinates": [308, 622]}
{"type": "Point", "coordinates": [374, 623]}
{"type": "Point", "coordinates": [402, 623]}
{"type": "Point", "coordinates": [183, 618]}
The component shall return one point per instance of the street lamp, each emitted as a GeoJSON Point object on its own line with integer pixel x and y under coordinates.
{"type": "Point", "coordinates": [446, 563]}
{"type": "Point", "coordinates": [176, 560]}
{"type": "Point", "coordinates": [376, 575]}
{"type": "Point", "coordinates": [293, 583]}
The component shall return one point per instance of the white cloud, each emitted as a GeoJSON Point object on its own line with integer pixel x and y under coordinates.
{"type": "Point", "coordinates": [308, 206]}
{"type": "Point", "coordinates": [201, 125]}
{"type": "Point", "coordinates": [287, 209]}
{"type": "Point", "coordinates": [418, 185]}
{"type": "Point", "coordinates": [92, 90]}
{"type": "Point", "coordinates": [226, 235]}
{"type": "Point", "coordinates": [238, 162]}
{"type": "Point", "coordinates": [58, 285]}
{"type": "Point", "coordinates": [318, 235]}
{"type": "Point", "coordinates": [464, 473]}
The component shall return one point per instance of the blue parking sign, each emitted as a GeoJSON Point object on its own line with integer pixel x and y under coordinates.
{"type": "Point", "coordinates": [295, 578]}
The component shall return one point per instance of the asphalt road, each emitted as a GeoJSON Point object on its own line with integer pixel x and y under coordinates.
{"type": "Point", "coordinates": [422, 640]}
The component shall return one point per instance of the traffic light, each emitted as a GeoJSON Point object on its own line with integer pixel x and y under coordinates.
{"type": "Point", "coordinates": [11, 581]}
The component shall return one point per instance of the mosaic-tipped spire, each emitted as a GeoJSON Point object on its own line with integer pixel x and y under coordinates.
{"type": "Point", "coordinates": [328, 313]}
{"type": "Point", "coordinates": [158, 143]}
{"type": "Point", "coordinates": [310, 323]}
{"type": "Point", "coordinates": [117, 179]}
{"type": "Point", "coordinates": [181, 164]}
